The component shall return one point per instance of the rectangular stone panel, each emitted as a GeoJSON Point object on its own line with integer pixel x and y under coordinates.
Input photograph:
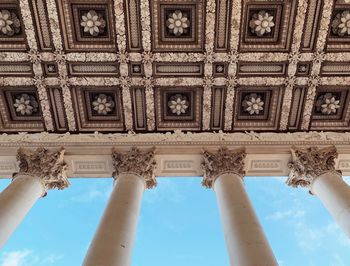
{"type": "Point", "coordinates": [222, 25]}
{"type": "Point", "coordinates": [178, 165]}
{"type": "Point", "coordinates": [262, 69]}
{"type": "Point", "coordinates": [311, 25]}
{"type": "Point", "coordinates": [139, 108]}
{"type": "Point", "coordinates": [296, 108]}
{"type": "Point", "coordinates": [335, 69]}
{"type": "Point", "coordinates": [93, 69]}
{"type": "Point", "coordinates": [42, 24]}
{"type": "Point", "coordinates": [8, 166]}
{"type": "Point", "coordinates": [16, 69]}
{"type": "Point", "coordinates": [218, 102]}
{"type": "Point", "coordinates": [178, 69]}
{"type": "Point", "coordinates": [58, 109]}
{"type": "Point", "coordinates": [133, 25]}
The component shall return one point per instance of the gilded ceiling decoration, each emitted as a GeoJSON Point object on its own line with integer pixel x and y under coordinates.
{"type": "Point", "coordinates": [160, 65]}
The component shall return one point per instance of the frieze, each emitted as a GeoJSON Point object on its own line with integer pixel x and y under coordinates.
{"type": "Point", "coordinates": [253, 138]}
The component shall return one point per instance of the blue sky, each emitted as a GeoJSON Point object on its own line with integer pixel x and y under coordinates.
{"type": "Point", "coordinates": [179, 225]}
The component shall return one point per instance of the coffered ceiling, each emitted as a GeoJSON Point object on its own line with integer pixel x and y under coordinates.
{"type": "Point", "coordinates": [160, 65]}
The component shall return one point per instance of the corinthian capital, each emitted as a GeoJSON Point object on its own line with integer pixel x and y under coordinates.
{"type": "Point", "coordinates": [224, 161]}
{"type": "Point", "coordinates": [136, 162]}
{"type": "Point", "coordinates": [310, 163]}
{"type": "Point", "coordinates": [48, 166]}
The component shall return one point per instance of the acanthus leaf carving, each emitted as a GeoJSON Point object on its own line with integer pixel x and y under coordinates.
{"type": "Point", "coordinates": [136, 162]}
{"type": "Point", "coordinates": [310, 163]}
{"type": "Point", "coordinates": [224, 161]}
{"type": "Point", "coordinates": [48, 166]}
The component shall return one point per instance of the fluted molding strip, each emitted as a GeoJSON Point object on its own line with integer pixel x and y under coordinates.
{"type": "Point", "coordinates": [135, 162]}
{"type": "Point", "coordinates": [224, 161]}
{"type": "Point", "coordinates": [41, 163]}
{"type": "Point", "coordinates": [307, 164]}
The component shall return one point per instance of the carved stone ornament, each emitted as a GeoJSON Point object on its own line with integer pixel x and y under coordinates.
{"type": "Point", "coordinates": [310, 163]}
{"type": "Point", "coordinates": [135, 162]}
{"type": "Point", "coordinates": [224, 161]}
{"type": "Point", "coordinates": [48, 166]}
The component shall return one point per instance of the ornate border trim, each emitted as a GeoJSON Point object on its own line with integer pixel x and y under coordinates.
{"type": "Point", "coordinates": [176, 138]}
{"type": "Point", "coordinates": [318, 58]}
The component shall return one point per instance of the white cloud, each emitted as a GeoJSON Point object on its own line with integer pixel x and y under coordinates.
{"type": "Point", "coordinates": [15, 258]}
{"type": "Point", "coordinates": [308, 238]}
{"type": "Point", "coordinates": [27, 257]}
{"type": "Point", "coordinates": [282, 215]}
{"type": "Point", "coordinates": [51, 259]}
{"type": "Point", "coordinates": [92, 194]}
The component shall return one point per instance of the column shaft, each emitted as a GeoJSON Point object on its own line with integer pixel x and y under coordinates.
{"type": "Point", "coordinates": [16, 201]}
{"type": "Point", "coordinates": [245, 239]}
{"type": "Point", "coordinates": [334, 193]}
{"type": "Point", "coordinates": [114, 238]}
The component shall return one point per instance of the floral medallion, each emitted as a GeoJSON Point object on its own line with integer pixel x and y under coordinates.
{"type": "Point", "coordinates": [341, 24]}
{"type": "Point", "coordinates": [261, 23]}
{"type": "Point", "coordinates": [178, 23]}
{"type": "Point", "coordinates": [9, 23]}
{"type": "Point", "coordinates": [103, 104]}
{"type": "Point", "coordinates": [26, 105]}
{"type": "Point", "coordinates": [253, 104]}
{"type": "Point", "coordinates": [328, 104]}
{"type": "Point", "coordinates": [93, 23]}
{"type": "Point", "coordinates": [178, 104]}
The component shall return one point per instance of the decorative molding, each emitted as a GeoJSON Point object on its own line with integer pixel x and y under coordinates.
{"type": "Point", "coordinates": [83, 167]}
{"type": "Point", "coordinates": [176, 138]}
{"type": "Point", "coordinates": [307, 164]}
{"type": "Point", "coordinates": [344, 165]}
{"type": "Point", "coordinates": [178, 165]}
{"type": "Point", "coordinates": [294, 58]}
{"type": "Point", "coordinates": [265, 166]}
{"type": "Point", "coordinates": [224, 161]}
{"type": "Point", "coordinates": [8, 167]}
{"type": "Point", "coordinates": [34, 54]}
{"type": "Point", "coordinates": [48, 166]}
{"type": "Point", "coordinates": [317, 61]}
{"type": "Point", "coordinates": [135, 162]}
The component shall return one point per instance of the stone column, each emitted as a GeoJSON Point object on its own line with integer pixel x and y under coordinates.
{"type": "Point", "coordinates": [315, 169]}
{"type": "Point", "coordinates": [113, 241]}
{"type": "Point", "coordinates": [245, 239]}
{"type": "Point", "coordinates": [39, 171]}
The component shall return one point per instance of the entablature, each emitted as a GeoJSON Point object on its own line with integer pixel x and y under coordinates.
{"type": "Point", "coordinates": [177, 154]}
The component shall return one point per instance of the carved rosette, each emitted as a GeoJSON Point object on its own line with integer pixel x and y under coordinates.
{"type": "Point", "coordinates": [224, 161]}
{"type": "Point", "coordinates": [310, 163]}
{"type": "Point", "coordinates": [48, 166]}
{"type": "Point", "coordinates": [136, 162]}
